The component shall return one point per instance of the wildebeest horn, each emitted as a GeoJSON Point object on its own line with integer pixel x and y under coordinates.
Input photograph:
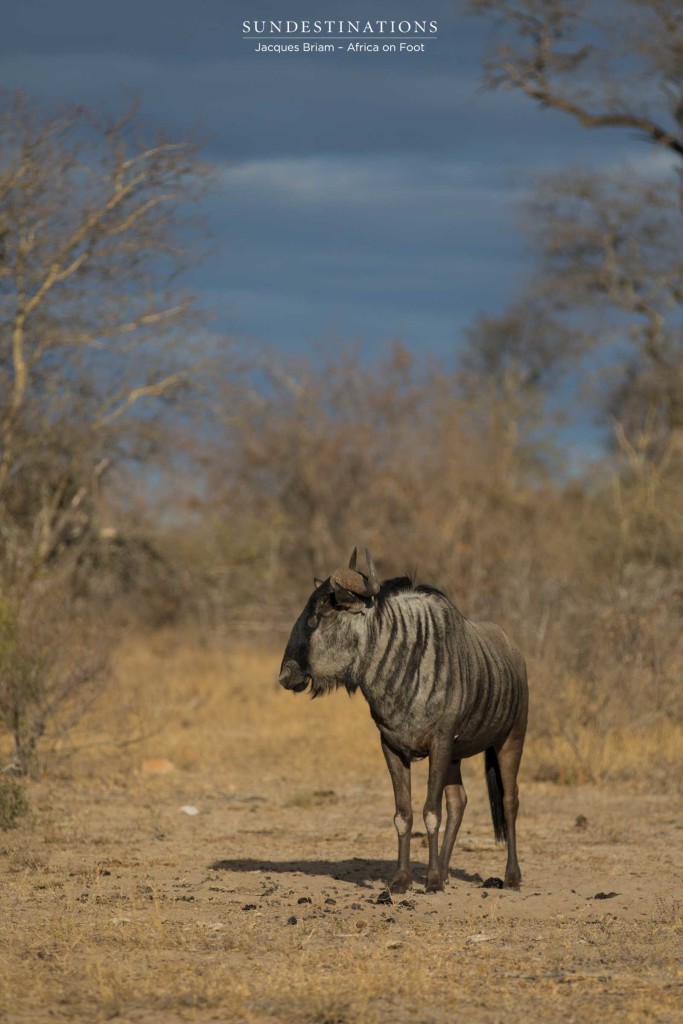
{"type": "Point", "coordinates": [373, 579]}
{"type": "Point", "coordinates": [352, 559]}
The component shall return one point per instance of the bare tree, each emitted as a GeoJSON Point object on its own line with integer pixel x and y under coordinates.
{"type": "Point", "coordinates": [96, 334]}
{"type": "Point", "coordinates": [613, 246]}
{"type": "Point", "coordinates": [93, 319]}
{"type": "Point", "coordinates": [607, 65]}
{"type": "Point", "coordinates": [610, 244]}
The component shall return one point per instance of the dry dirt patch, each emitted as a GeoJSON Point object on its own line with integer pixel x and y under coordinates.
{"type": "Point", "coordinates": [268, 905]}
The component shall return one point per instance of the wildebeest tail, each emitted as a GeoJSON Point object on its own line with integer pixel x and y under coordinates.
{"type": "Point", "coordinates": [495, 788]}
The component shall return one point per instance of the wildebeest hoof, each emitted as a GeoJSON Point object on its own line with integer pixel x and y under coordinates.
{"type": "Point", "coordinates": [400, 883]}
{"type": "Point", "coordinates": [434, 882]}
{"type": "Point", "coordinates": [512, 880]}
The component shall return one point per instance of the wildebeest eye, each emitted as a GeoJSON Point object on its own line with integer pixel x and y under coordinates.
{"type": "Point", "coordinates": [323, 610]}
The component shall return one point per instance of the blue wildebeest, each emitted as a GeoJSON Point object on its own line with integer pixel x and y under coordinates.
{"type": "Point", "coordinates": [437, 685]}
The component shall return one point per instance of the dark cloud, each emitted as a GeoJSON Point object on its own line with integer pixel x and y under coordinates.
{"type": "Point", "coordinates": [359, 194]}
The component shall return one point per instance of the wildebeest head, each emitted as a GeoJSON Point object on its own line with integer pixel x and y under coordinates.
{"type": "Point", "coordinates": [323, 644]}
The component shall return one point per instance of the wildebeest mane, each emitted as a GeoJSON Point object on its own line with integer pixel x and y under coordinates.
{"type": "Point", "coordinates": [401, 583]}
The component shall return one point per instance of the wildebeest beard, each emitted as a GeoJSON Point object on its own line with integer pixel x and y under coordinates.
{"type": "Point", "coordinates": [320, 685]}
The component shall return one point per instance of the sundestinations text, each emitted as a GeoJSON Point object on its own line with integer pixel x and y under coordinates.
{"type": "Point", "coordinates": [341, 28]}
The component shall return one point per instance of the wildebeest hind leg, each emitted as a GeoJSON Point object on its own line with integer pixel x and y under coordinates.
{"type": "Point", "coordinates": [399, 769]}
{"type": "Point", "coordinates": [509, 757]}
{"type": "Point", "coordinates": [456, 801]}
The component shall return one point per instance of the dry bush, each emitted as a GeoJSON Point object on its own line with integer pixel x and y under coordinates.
{"type": "Point", "coordinates": [396, 456]}
{"type": "Point", "coordinates": [53, 663]}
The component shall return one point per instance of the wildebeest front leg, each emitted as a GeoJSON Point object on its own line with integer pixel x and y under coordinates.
{"type": "Point", "coordinates": [456, 801]}
{"type": "Point", "coordinates": [439, 761]}
{"type": "Point", "coordinates": [399, 769]}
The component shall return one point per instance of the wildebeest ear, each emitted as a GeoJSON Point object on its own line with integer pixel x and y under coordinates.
{"type": "Point", "coordinates": [347, 600]}
{"type": "Point", "coordinates": [317, 583]}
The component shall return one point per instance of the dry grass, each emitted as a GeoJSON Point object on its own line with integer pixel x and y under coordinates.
{"type": "Point", "coordinates": [175, 690]}
{"type": "Point", "coordinates": [650, 755]}
{"type": "Point", "coordinates": [115, 906]}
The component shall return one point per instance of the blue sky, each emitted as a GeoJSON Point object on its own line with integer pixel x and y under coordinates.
{"type": "Point", "coordinates": [366, 197]}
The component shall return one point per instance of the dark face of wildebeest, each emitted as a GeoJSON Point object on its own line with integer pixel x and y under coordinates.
{"type": "Point", "coordinates": [323, 646]}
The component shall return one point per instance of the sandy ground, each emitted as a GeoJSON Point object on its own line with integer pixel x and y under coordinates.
{"type": "Point", "coordinates": [270, 903]}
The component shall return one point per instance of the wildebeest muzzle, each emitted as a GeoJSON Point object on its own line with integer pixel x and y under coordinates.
{"type": "Point", "coordinates": [292, 678]}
